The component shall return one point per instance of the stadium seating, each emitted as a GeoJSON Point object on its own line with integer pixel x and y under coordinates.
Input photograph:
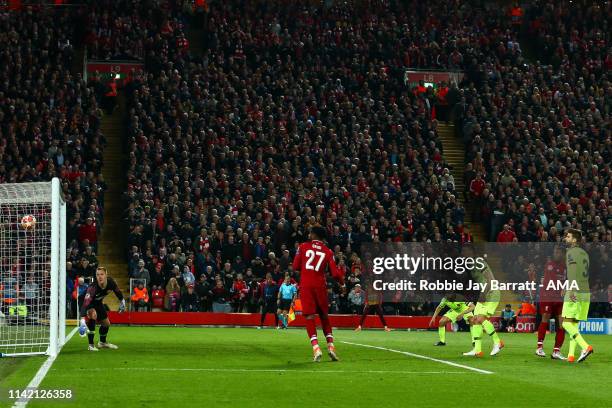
{"type": "Point", "coordinates": [293, 116]}
{"type": "Point", "coordinates": [50, 130]}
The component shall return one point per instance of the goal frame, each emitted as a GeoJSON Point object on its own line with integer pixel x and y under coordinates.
{"type": "Point", "coordinates": [57, 295]}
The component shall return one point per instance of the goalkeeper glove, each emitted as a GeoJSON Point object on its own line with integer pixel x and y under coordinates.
{"type": "Point", "coordinates": [122, 306]}
{"type": "Point", "coordinates": [82, 328]}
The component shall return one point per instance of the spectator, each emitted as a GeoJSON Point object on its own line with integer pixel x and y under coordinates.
{"type": "Point", "coordinates": [220, 297]}
{"type": "Point", "coordinates": [187, 276]}
{"type": "Point", "coordinates": [356, 299]}
{"type": "Point", "coordinates": [239, 293]}
{"type": "Point", "coordinates": [140, 298]}
{"type": "Point", "coordinates": [190, 301]}
{"type": "Point", "coordinates": [142, 274]}
{"type": "Point", "coordinates": [506, 235]}
{"type": "Point", "coordinates": [173, 296]}
{"type": "Point", "coordinates": [158, 295]}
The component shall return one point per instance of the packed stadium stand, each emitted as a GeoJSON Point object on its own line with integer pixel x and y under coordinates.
{"type": "Point", "coordinates": [251, 121]}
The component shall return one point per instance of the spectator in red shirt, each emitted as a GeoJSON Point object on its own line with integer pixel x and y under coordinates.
{"type": "Point", "coordinates": [477, 186]}
{"type": "Point", "coordinates": [88, 231]}
{"type": "Point", "coordinates": [506, 235]}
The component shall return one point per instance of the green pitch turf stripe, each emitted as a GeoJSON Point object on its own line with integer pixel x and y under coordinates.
{"type": "Point", "coordinates": [257, 370]}
{"type": "Point", "coordinates": [42, 372]}
{"type": "Point", "coordinates": [407, 353]}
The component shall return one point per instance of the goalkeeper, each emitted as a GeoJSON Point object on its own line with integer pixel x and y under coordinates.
{"type": "Point", "coordinates": [95, 310]}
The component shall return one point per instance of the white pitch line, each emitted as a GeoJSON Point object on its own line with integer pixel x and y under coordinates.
{"type": "Point", "coordinates": [407, 353]}
{"type": "Point", "coordinates": [40, 375]}
{"type": "Point", "coordinates": [270, 370]}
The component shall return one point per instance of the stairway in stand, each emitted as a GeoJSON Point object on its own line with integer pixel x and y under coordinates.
{"type": "Point", "coordinates": [454, 153]}
{"type": "Point", "coordinates": [112, 243]}
{"type": "Point", "coordinates": [195, 36]}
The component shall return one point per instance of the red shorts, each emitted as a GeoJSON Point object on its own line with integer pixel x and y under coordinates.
{"type": "Point", "coordinates": [551, 308]}
{"type": "Point", "coordinates": [314, 300]}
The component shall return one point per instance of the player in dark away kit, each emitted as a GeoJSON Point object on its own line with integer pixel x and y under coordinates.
{"type": "Point", "coordinates": [95, 310]}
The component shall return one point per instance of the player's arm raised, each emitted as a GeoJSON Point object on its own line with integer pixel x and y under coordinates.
{"type": "Point", "coordinates": [297, 260]}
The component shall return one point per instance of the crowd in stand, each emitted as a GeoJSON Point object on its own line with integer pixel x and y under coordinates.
{"type": "Point", "coordinates": [50, 122]}
{"type": "Point", "coordinates": [292, 117]}
{"type": "Point", "coordinates": [296, 115]}
{"type": "Point", "coordinates": [538, 130]}
{"type": "Point", "coordinates": [128, 29]}
{"type": "Point", "coordinates": [302, 118]}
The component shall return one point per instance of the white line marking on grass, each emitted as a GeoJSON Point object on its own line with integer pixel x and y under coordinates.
{"type": "Point", "coordinates": [271, 370]}
{"type": "Point", "coordinates": [407, 353]}
{"type": "Point", "coordinates": [40, 375]}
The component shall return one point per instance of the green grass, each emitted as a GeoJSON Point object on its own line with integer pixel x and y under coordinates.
{"type": "Point", "coordinates": [185, 367]}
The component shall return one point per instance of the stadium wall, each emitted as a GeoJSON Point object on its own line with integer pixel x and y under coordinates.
{"type": "Point", "coordinates": [524, 324]}
{"type": "Point", "coordinates": [253, 319]}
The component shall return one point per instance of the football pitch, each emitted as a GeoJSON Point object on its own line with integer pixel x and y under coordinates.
{"type": "Point", "coordinates": [225, 367]}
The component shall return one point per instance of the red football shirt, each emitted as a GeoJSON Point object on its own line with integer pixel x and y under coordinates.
{"type": "Point", "coordinates": [553, 271]}
{"type": "Point", "coordinates": [313, 259]}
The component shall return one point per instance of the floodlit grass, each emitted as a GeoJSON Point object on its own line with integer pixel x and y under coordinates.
{"type": "Point", "coordinates": [214, 367]}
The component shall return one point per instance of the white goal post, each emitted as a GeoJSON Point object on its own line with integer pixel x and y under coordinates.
{"type": "Point", "coordinates": [32, 268]}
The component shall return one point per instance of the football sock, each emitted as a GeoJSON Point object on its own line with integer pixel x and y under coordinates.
{"type": "Point", "coordinates": [542, 333]}
{"type": "Point", "coordinates": [442, 333]}
{"type": "Point", "coordinates": [477, 338]}
{"type": "Point", "coordinates": [472, 335]}
{"type": "Point", "coordinates": [490, 330]}
{"type": "Point", "coordinates": [572, 330]}
{"type": "Point", "coordinates": [559, 338]}
{"type": "Point", "coordinates": [91, 326]}
{"type": "Point", "coordinates": [327, 330]}
{"type": "Point", "coordinates": [103, 333]}
{"type": "Point", "coordinates": [572, 348]}
{"type": "Point", "coordinates": [311, 329]}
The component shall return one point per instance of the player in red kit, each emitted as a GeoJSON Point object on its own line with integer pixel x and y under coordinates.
{"type": "Point", "coordinates": [551, 303]}
{"type": "Point", "coordinates": [313, 259]}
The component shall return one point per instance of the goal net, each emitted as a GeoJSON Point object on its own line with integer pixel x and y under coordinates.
{"type": "Point", "coordinates": [32, 268]}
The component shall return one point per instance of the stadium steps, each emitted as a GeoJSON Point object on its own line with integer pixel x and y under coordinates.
{"type": "Point", "coordinates": [195, 36]}
{"type": "Point", "coordinates": [454, 153]}
{"type": "Point", "coordinates": [112, 242]}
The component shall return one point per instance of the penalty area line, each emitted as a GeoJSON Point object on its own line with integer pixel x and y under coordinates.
{"type": "Point", "coordinates": [407, 353]}
{"type": "Point", "coordinates": [40, 375]}
{"type": "Point", "coordinates": [271, 370]}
